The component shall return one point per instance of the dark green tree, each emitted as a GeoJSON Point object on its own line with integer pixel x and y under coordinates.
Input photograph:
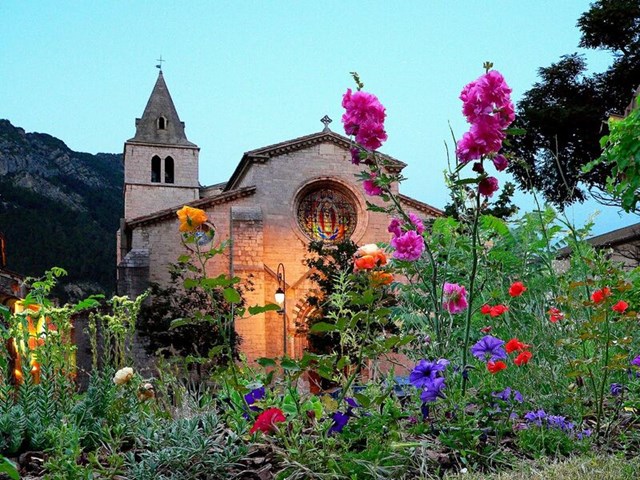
{"type": "Point", "coordinates": [564, 113]}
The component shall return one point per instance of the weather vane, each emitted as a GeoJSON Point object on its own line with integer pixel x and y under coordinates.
{"type": "Point", "coordinates": [159, 65]}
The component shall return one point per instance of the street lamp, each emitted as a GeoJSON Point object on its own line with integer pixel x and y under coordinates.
{"type": "Point", "coordinates": [281, 299]}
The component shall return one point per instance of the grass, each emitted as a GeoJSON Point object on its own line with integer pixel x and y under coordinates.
{"type": "Point", "coordinates": [576, 468]}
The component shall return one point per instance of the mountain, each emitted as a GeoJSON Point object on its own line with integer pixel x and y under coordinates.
{"type": "Point", "coordinates": [59, 208]}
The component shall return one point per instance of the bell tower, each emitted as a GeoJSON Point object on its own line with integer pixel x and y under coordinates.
{"type": "Point", "coordinates": [160, 164]}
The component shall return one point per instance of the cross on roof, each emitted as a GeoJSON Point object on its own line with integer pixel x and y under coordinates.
{"type": "Point", "coordinates": [160, 60]}
{"type": "Point", "coordinates": [326, 121]}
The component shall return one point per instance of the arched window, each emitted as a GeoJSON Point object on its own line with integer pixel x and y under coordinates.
{"type": "Point", "coordinates": [155, 169]}
{"type": "Point", "coordinates": [162, 123]}
{"type": "Point", "coordinates": [168, 170]}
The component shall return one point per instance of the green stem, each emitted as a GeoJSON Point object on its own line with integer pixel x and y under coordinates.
{"type": "Point", "coordinates": [606, 372]}
{"type": "Point", "coordinates": [472, 281]}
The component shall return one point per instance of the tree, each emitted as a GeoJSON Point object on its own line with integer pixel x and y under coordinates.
{"type": "Point", "coordinates": [564, 113]}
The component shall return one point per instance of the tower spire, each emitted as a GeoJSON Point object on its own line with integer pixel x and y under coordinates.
{"type": "Point", "coordinates": [160, 123]}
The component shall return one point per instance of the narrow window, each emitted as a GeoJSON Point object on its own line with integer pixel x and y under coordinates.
{"type": "Point", "coordinates": [168, 170]}
{"type": "Point", "coordinates": [162, 123]}
{"type": "Point", "coordinates": [155, 169]}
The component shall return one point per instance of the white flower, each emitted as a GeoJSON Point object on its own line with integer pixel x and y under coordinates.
{"type": "Point", "coordinates": [123, 375]}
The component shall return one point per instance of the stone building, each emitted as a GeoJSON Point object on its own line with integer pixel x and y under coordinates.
{"type": "Point", "coordinates": [278, 198]}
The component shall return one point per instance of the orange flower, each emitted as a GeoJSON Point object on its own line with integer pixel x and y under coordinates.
{"type": "Point", "coordinates": [495, 367]}
{"type": "Point", "coordinates": [523, 358]}
{"type": "Point", "coordinates": [599, 295]}
{"type": "Point", "coordinates": [191, 218]}
{"type": "Point", "coordinates": [516, 289]}
{"type": "Point", "coordinates": [369, 256]}
{"type": "Point", "coordinates": [379, 279]}
{"type": "Point", "coordinates": [620, 307]}
{"type": "Point", "coordinates": [515, 345]}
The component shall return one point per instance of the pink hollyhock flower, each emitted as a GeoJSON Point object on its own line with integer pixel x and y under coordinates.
{"type": "Point", "coordinates": [266, 421]}
{"type": "Point", "coordinates": [395, 227]}
{"type": "Point", "coordinates": [488, 186]}
{"type": "Point", "coordinates": [355, 156]}
{"type": "Point", "coordinates": [364, 118]}
{"type": "Point", "coordinates": [370, 187]}
{"type": "Point", "coordinates": [408, 246]}
{"type": "Point", "coordinates": [416, 222]}
{"type": "Point", "coordinates": [484, 137]}
{"type": "Point", "coordinates": [487, 94]}
{"type": "Point", "coordinates": [500, 162]}
{"type": "Point", "coordinates": [454, 298]}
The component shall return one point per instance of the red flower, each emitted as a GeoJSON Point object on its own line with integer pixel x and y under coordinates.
{"type": "Point", "coordinates": [498, 310]}
{"type": "Point", "coordinates": [599, 295]}
{"type": "Point", "coordinates": [486, 329]}
{"type": "Point", "coordinates": [516, 289]}
{"type": "Point", "coordinates": [523, 358]}
{"type": "Point", "coordinates": [495, 367]}
{"type": "Point", "coordinates": [620, 307]}
{"type": "Point", "coordinates": [485, 309]}
{"type": "Point", "coordinates": [555, 315]}
{"type": "Point", "coordinates": [515, 345]}
{"type": "Point", "coordinates": [267, 420]}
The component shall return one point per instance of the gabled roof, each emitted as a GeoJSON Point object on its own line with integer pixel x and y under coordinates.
{"type": "Point", "coordinates": [420, 206]}
{"type": "Point", "coordinates": [262, 155]}
{"type": "Point", "coordinates": [169, 213]}
{"type": "Point", "coordinates": [160, 105]}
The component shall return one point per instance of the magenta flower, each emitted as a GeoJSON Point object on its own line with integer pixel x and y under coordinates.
{"type": "Point", "coordinates": [395, 227]}
{"type": "Point", "coordinates": [500, 162]}
{"type": "Point", "coordinates": [487, 105]}
{"type": "Point", "coordinates": [364, 118]}
{"type": "Point", "coordinates": [408, 246]}
{"type": "Point", "coordinates": [488, 186]}
{"type": "Point", "coordinates": [416, 222]}
{"type": "Point", "coordinates": [370, 187]}
{"type": "Point", "coordinates": [454, 298]}
{"type": "Point", "coordinates": [486, 95]}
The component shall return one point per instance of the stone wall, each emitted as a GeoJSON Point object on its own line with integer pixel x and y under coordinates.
{"type": "Point", "coordinates": [263, 233]}
{"type": "Point", "coordinates": [143, 197]}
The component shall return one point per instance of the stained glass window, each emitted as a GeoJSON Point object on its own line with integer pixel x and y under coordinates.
{"type": "Point", "coordinates": [327, 214]}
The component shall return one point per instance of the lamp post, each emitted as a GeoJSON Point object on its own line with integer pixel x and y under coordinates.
{"type": "Point", "coordinates": [281, 299]}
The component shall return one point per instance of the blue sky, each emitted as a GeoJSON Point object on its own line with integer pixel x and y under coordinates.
{"type": "Point", "coordinates": [248, 74]}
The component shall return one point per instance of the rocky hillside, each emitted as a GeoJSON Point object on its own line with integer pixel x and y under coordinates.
{"type": "Point", "coordinates": [59, 208]}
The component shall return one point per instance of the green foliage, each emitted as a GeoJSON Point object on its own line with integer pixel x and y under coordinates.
{"type": "Point", "coordinates": [621, 156]}
{"type": "Point", "coordinates": [562, 113]}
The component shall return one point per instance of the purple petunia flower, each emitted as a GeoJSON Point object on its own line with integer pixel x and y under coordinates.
{"type": "Point", "coordinates": [636, 361]}
{"type": "Point", "coordinates": [339, 421]}
{"type": "Point", "coordinates": [536, 417]}
{"type": "Point", "coordinates": [490, 348]}
{"type": "Point", "coordinates": [560, 422]}
{"type": "Point", "coordinates": [253, 396]}
{"type": "Point", "coordinates": [616, 389]}
{"type": "Point", "coordinates": [433, 390]}
{"type": "Point", "coordinates": [584, 434]}
{"type": "Point", "coordinates": [426, 371]}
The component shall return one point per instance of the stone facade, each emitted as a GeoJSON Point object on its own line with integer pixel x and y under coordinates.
{"type": "Point", "coordinates": [256, 211]}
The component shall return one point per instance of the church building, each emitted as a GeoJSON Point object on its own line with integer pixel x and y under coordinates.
{"type": "Point", "coordinates": [278, 199]}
